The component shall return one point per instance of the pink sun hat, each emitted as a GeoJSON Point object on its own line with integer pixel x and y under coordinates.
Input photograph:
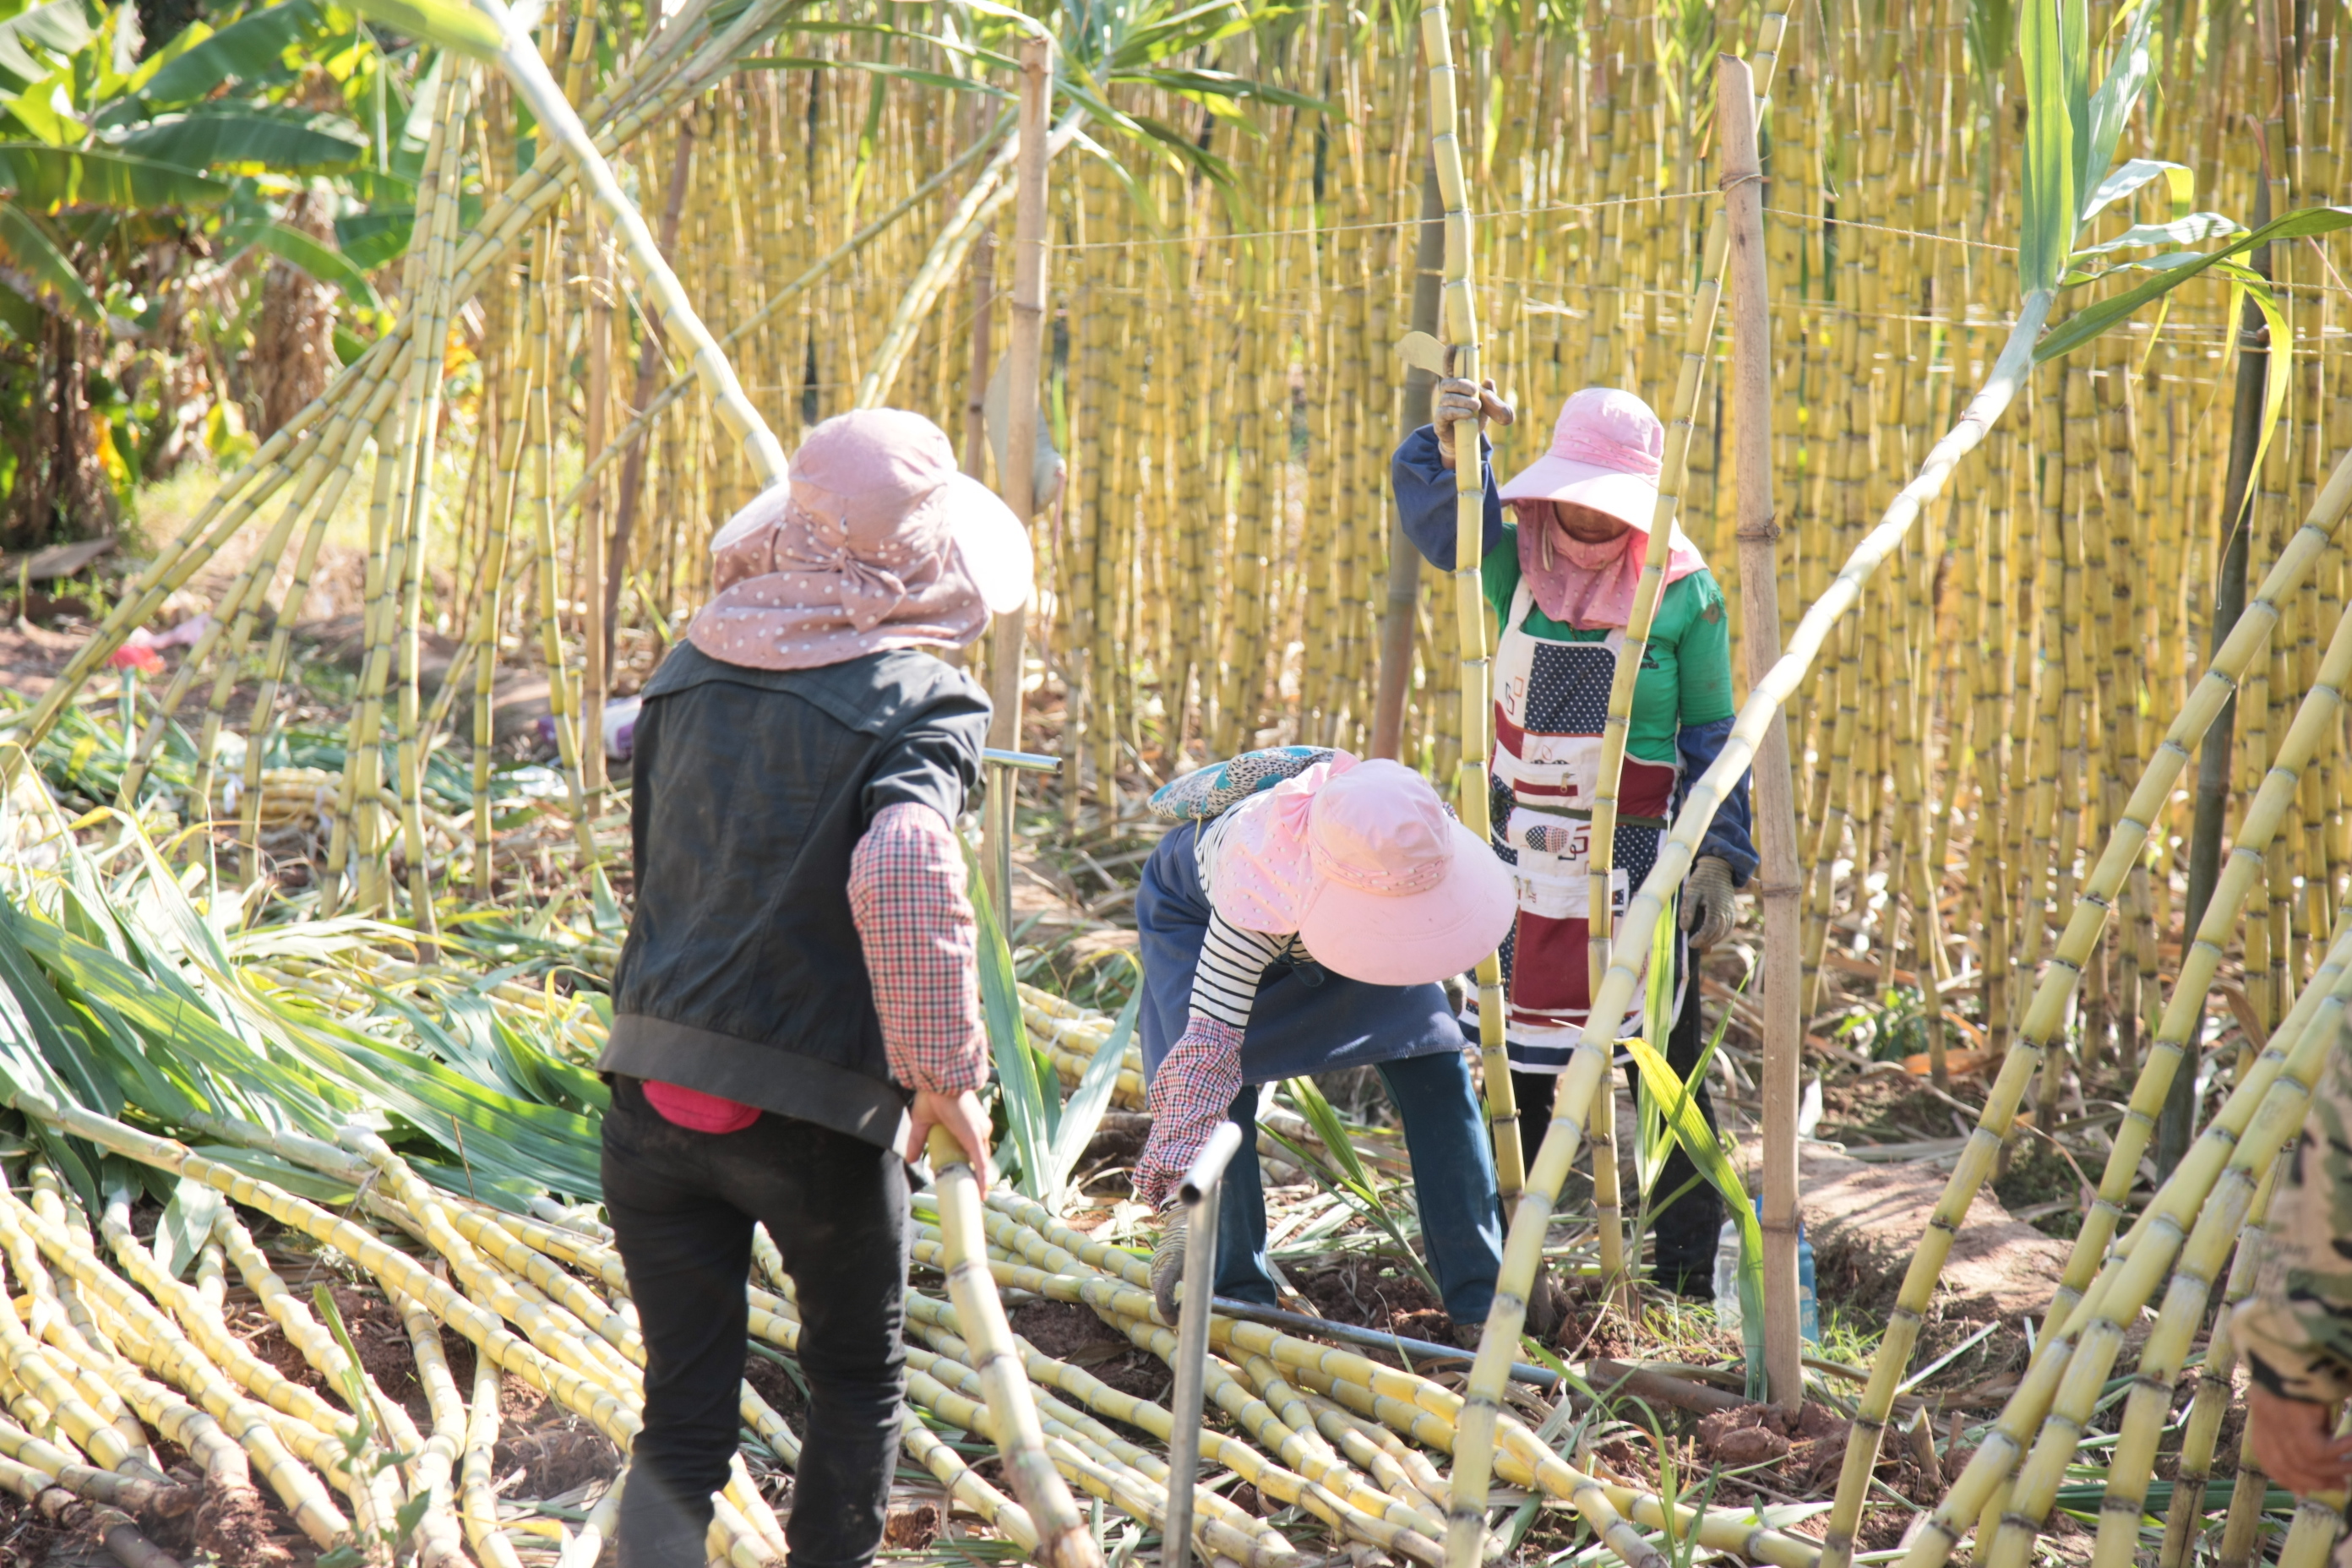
{"type": "Point", "coordinates": [875, 540]}
{"type": "Point", "coordinates": [1361, 860]}
{"type": "Point", "coordinates": [1606, 452]}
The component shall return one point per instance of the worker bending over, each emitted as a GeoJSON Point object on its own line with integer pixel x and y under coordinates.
{"type": "Point", "coordinates": [1560, 578]}
{"type": "Point", "coordinates": [1297, 923]}
{"type": "Point", "coordinates": [798, 1003]}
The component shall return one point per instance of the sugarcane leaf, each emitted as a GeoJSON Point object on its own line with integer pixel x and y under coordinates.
{"type": "Point", "coordinates": [2187, 230]}
{"type": "Point", "coordinates": [1084, 1111]}
{"type": "Point", "coordinates": [1333, 1132]}
{"type": "Point", "coordinates": [186, 1225]}
{"type": "Point", "coordinates": [2111, 106]}
{"type": "Point", "coordinates": [2047, 228]}
{"type": "Point", "coordinates": [35, 1017]}
{"type": "Point", "coordinates": [1706, 1152]}
{"type": "Point", "coordinates": [2125, 180]}
{"type": "Point", "coordinates": [2091, 320]}
{"type": "Point", "coordinates": [1031, 1108]}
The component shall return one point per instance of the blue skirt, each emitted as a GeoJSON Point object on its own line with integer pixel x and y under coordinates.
{"type": "Point", "coordinates": [1306, 1020]}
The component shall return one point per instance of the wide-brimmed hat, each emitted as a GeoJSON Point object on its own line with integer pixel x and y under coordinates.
{"type": "Point", "coordinates": [876, 539]}
{"type": "Point", "coordinates": [1365, 864]}
{"type": "Point", "coordinates": [1607, 449]}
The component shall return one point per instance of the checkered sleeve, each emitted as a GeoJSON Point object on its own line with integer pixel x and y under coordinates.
{"type": "Point", "coordinates": [907, 894]}
{"type": "Point", "coordinates": [1190, 1094]}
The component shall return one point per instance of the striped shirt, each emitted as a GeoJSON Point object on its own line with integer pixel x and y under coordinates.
{"type": "Point", "coordinates": [1198, 1081]}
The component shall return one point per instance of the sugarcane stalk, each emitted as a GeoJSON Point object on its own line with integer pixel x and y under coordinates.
{"type": "Point", "coordinates": [430, 361]}
{"type": "Point", "coordinates": [1986, 1476]}
{"type": "Point", "coordinates": [2045, 1015]}
{"type": "Point", "coordinates": [561, 706]}
{"type": "Point", "coordinates": [2197, 1228]}
{"type": "Point", "coordinates": [561, 123]}
{"type": "Point", "coordinates": [1472, 802]}
{"type": "Point", "coordinates": [2313, 726]}
{"type": "Point", "coordinates": [1063, 1539]}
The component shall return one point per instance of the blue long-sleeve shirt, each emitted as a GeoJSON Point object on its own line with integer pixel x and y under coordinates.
{"type": "Point", "coordinates": [1682, 699]}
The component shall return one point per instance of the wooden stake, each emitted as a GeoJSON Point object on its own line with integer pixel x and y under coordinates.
{"type": "Point", "coordinates": [1776, 803]}
{"type": "Point", "coordinates": [1018, 482]}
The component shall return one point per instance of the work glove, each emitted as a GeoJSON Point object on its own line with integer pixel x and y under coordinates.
{"type": "Point", "coordinates": [1709, 910]}
{"type": "Point", "coordinates": [1167, 1265]}
{"type": "Point", "coordinates": [1456, 400]}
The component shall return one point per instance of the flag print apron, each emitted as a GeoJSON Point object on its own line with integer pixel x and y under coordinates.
{"type": "Point", "coordinates": [1552, 705]}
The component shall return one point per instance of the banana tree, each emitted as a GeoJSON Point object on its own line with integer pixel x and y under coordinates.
{"type": "Point", "coordinates": [123, 179]}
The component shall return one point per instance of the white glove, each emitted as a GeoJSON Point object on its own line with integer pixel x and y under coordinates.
{"type": "Point", "coordinates": [1456, 400]}
{"type": "Point", "coordinates": [1709, 908]}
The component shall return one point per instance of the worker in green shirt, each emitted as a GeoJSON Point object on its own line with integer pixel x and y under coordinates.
{"type": "Point", "coordinates": [1561, 577]}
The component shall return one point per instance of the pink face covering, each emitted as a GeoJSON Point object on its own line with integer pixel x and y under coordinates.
{"type": "Point", "coordinates": [1589, 586]}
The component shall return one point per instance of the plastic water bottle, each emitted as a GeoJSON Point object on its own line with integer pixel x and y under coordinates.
{"type": "Point", "coordinates": [1726, 1281]}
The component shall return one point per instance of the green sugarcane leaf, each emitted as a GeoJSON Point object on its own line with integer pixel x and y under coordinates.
{"type": "Point", "coordinates": [1084, 1111]}
{"type": "Point", "coordinates": [2050, 161]}
{"type": "Point", "coordinates": [2091, 320]}
{"type": "Point", "coordinates": [2127, 73]}
{"type": "Point", "coordinates": [1705, 1150]}
{"type": "Point", "coordinates": [2188, 230]}
{"type": "Point", "coordinates": [2125, 180]}
{"type": "Point", "coordinates": [186, 1225]}
{"type": "Point", "coordinates": [1031, 1108]}
{"type": "Point", "coordinates": [1309, 1098]}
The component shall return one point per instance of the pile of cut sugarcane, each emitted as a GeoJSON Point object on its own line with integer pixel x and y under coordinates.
{"type": "Point", "coordinates": [108, 1349]}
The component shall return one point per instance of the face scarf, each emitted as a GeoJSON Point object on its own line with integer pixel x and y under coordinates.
{"type": "Point", "coordinates": [1589, 586]}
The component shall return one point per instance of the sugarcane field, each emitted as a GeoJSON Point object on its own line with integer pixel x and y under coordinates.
{"type": "Point", "coordinates": [1131, 783]}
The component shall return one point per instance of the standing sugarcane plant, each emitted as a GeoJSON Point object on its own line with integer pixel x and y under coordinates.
{"type": "Point", "coordinates": [1458, 310]}
{"type": "Point", "coordinates": [2051, 216]}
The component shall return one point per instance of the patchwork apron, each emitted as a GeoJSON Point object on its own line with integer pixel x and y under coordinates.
{"type": "Point", "coordinates": [1552, 705]}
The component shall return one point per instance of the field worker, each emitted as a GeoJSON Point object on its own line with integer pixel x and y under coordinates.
{"type": "Point", "coordinates": [1560, 578]}
{"type": "Point", "coordinates": [2295, 1328]}
{"type": "Point", "coordinates": [798, 1004]}
{"type": "Point", "coordinates": [1297, 923]}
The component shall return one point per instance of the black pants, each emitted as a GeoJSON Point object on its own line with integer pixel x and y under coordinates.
{"type": "Point", "coordinates": [682, 1206]}
{"type": "Point", "coordinates": [1686, 1227]}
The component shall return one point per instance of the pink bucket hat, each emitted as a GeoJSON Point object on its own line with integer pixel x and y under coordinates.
{"type": "Point", "coordinates": [1606, 451]}
{"type": "Point", "coordinates": [1364, 863]}
{"type": "Point", "coordinates": [875, 540]}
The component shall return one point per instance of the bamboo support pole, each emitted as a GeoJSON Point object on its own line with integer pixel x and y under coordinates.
{"type": "Point", "coordinates": [1776, 812]}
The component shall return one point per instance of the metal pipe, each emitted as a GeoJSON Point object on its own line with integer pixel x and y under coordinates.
{"type": "Point", "coordinates": [1199, 1193]}
{"type": "Point", "coordinates": [1411, 1349]}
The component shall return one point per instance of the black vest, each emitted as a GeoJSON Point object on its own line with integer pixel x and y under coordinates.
{"type": "Point", "coordinates": [744, 975]}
